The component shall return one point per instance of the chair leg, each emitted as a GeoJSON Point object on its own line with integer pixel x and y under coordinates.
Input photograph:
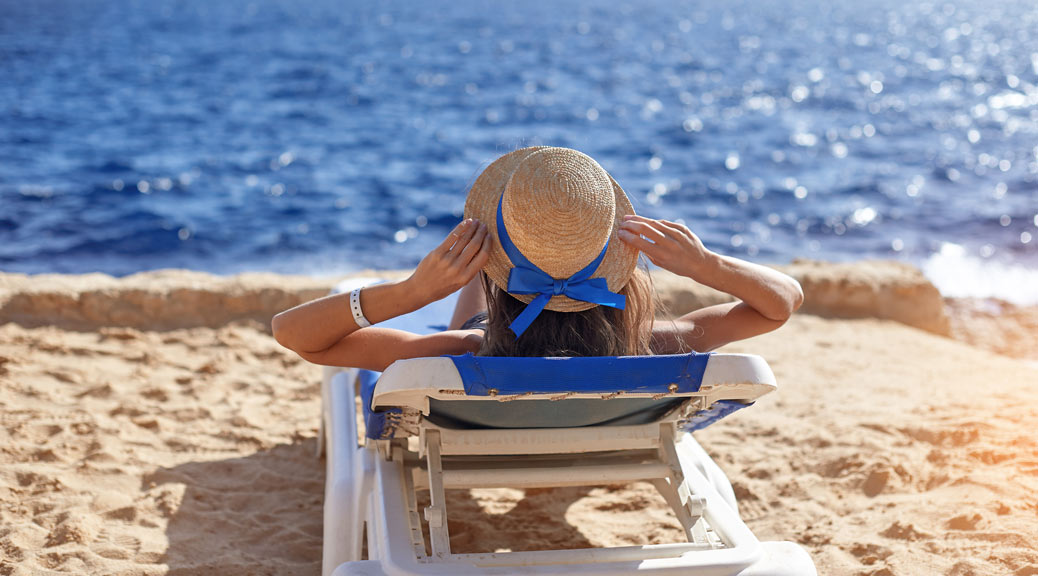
{"type": "Point", "coordinates": [669, 494]}
{"type": "Point", "coordinates": [411, 501]}
{"type": "Point", "coordinates": [346, 475]}
{"type": "Point", "coordinates": [436, 513]}
{"type": "Point", "coordinates": [676, 490]}
{"type": "Point", "coordinates": [709, 468]}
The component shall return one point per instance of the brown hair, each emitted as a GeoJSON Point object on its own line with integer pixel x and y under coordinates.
{"type": "Point", "coordinates": [598, 331]}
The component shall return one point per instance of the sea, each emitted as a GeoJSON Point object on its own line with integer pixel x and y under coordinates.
{"type": "Point", "coordinates": [323, 136]}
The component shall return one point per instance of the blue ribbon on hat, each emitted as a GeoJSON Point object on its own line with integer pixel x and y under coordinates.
{"type": "Point", "coordinates": [526, 278]}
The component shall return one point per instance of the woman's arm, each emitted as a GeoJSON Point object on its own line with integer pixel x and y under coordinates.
{"type": "Point", "coordinates": [768, 297]}
{"type": "Point", "coordinates": [323, 331]}
{"type": "Point", "coordinates": [376, 348]}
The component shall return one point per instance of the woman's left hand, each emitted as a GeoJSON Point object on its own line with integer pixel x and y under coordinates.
{"type": "Point", "coordinates": [324, 331]}
{"type": "Point", "coordinates": [669, 245]}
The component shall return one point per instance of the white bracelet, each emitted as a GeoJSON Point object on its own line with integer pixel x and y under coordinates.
{"type": "Point", "coordinates": [358, 314]}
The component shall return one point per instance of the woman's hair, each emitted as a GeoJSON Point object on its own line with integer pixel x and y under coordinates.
{"type": "Point", "coordinates": [598, 331]}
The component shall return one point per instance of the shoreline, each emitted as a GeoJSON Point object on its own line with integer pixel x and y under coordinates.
{"type": "Point", "coordinates": [151, 425]}
{"type": "Point", "coordinates": [178, 298]}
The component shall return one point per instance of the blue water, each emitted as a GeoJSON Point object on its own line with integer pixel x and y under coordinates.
{"type": "Point", "coordinates": [321, 136]}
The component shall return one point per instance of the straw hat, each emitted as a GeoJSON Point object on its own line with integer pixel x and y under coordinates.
{"type": "Point", "coordinates": [559, 207]}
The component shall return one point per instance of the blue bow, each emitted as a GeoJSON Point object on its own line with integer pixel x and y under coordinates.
{"type": "Point", "coordinates": [527, 278]}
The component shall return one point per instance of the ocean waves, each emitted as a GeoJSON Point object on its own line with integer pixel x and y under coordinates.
{"type": "Point", "coordinates": [326, 138]}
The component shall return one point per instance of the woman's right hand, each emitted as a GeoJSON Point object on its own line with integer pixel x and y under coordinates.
{"type": "Point", "coordinates": [453, 263]}
{"type": "Point", "coordinates": [773, 295]}
{"type": "Point", "coordinates": [669, 245]}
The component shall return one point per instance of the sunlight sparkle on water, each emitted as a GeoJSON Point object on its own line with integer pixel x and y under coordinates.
{"type": "Point", "coordinates": [862, 216]}
{"type": "Point", "coordinates": [763, 126]}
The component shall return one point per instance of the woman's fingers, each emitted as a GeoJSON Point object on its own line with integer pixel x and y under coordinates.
{"type": "Point", "coordinates": [455, 261]}
{"type": "Point", "coordinates": [673, 230]}
{"type": "Point", "coordinates": [466, 233]}
{"type": "Point", "coordinates": [479, 260]}
{"type": "Point", "coordinates": [673, 245]}
{"type": "Point", "coordinates": [650, 230]}
{"type": "Point", "coordinates": [641, 244]}
{"type": "Point", "coordinates": [451, 238]}
{"type": "Point", "coordinates": [458, 238]}
{"type": "Point", "coordinates": [636, 241]}
{"type": "Point", "coordinates": [663, 242]}
{"type": "Point", "coordinates": [472, 244]}
{"type": "Point", "coordinates": [636, 218]}
{"type": "Point", "coordinates": [665, 227]}
{"type": "Point", "coordinates": [678, 228]}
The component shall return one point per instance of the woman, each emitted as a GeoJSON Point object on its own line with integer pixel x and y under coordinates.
{"type": "Point", "coordinates": [546, 261]}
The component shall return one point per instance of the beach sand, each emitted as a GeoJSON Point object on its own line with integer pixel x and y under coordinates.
{"type": "Point", "coordinates": [151, 425]}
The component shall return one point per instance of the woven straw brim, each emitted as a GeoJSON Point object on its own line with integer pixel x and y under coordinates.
{"type": "Point", "coordinates": [616, 267]}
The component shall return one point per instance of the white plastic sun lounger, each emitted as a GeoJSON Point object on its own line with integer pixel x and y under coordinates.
{"type": "Point", "coordinates": [434, 424]}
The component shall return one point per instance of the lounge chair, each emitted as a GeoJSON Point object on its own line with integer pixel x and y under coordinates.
{"type": "Point", "coordinates": [477, 422]}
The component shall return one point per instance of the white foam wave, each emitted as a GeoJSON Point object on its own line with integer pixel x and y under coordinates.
{"type": "Point", "coordinates": [959, 275]}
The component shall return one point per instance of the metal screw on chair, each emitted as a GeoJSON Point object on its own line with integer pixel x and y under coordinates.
{"type": "Point", "coordinates": [493, 392]}
{"type": "Point", "coordinates": [673, 387]}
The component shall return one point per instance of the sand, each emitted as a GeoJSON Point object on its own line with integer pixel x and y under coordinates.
{"type": "Point", "coordinates": [151, 425]}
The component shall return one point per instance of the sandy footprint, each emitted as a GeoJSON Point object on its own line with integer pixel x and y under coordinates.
{"type": "Point", "coordinates": [116, 545]}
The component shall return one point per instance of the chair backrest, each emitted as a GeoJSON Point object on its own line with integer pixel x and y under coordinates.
{"type": "Point", "coordinates": [662, 374]}
{"type": "Point", "coordinates": [491, 392]}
